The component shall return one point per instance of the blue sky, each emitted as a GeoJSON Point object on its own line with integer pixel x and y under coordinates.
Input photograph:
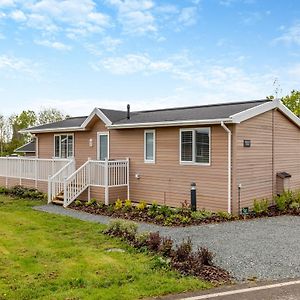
{"type": "Point", "coordinates": [78, 54]}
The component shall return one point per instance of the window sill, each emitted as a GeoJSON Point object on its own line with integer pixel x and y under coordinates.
{"type": "Point", "coordinates": [186, 163]}
{"type": "Point", "coordinates": [149, 161]}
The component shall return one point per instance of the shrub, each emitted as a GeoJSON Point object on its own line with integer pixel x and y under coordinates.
{"type": "Point", "coordinates": [294, 206]}
{"type": "Point", "coordinates": [4, 190]}
{"type": "Point", "coordinates": [205, 256]}
{"type": "Point", "coordinates": [201, 214]}
{"type": "Point", "coordinates": [154, 241]}
{"type": "Point", "coordinates": [159, 218]}
{"type": "Point", "coordinates": [166, 246]}
{"type": "Point", "coordinates": [141, 240]}
{"type": "Point", "coordinates": [78, 203]}
{"type": "Point", "coordinates": [127, 205]}
{"type": "Point", "coordinates": [22, 192]}
{"type": "Point", "coordinates": [260, 206]}
{"type": "Point", "coordinates": [159, 262]}
{"type": "Point", "coordinates": [141, 205]}
{"type": "Point", "coordinates": [118, 204]}
{"type": "Point", "coordinates": [91, 202]}
{"type": "Point", "coordinates": [122, 228]}
{"type": "Point", "coordinates": [280, 202]}
{"type": "Point", "coordinates": [183, 251]}
{"type": "Point", "coordinates": [165, 211]}
{"type": "Point", "coordinates": [153, 210]}
{"type": "Point", "coordinates": [224, 215]}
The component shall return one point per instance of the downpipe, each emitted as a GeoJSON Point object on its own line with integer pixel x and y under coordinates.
{"type": "Point", "coordinates": [229, 134]}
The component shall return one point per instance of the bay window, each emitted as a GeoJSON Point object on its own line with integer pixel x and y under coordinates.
{"type": "Point", "coordinates": [195, 146]}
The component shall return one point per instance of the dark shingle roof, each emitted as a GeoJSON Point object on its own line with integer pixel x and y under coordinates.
{"type": "Point", "coordinates": [69, 122]}
{"type": "Point", "coordinates": [191, 113]}
{"type": "Point", "coordinates": [204, 112]}
{"type": "Point", "coordinates": [114, 115]}
{"type": "Point", "coordinates": [29, 147]}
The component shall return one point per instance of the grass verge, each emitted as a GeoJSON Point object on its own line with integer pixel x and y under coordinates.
{"type": "Point", "coordinates": [46, 256]}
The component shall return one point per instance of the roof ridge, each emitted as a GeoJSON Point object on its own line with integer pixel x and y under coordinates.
{"type": "Point", "coordinates": [200, 106]}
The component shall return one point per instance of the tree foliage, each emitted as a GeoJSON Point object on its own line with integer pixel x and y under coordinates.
{"type": "Point", "coordinates": [49, 115]}
{"type": "Point", "coordinates": [10, 136]}
{"type": "Point", "coordinates": [292, 102]}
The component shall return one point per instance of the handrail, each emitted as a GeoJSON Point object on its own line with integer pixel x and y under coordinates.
{"type": "Point", "coordinates": [55, 182]}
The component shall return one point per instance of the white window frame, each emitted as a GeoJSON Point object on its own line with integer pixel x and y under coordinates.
{"type": "Point", "coordinates": [98, 144]}
{"type": "Point", "coordinates": [73, 145]}
{"type": "Point", "coordinates": [193, 162]}
{"type": "Point", "coordinates": [150, 161]}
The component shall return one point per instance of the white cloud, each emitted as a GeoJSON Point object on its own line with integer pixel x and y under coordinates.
{"type": "Point", "coordinates": [290, 35]}
{"type": "Point", "coordinates": [75, 17]}
{"type": "Point", "coordinates": [5, 3]}
{"type": "Point", "coordinates": [18, 15]}
{"type": "Point", "coordinates": [132, 63]}
{"type": "Point", "coordinates": [10, 63]}
{"type": "Point", "coordinates": [54, 45]}
{"type": "Point", "coordinates": [135, 16]}
{"type": "Point", "coordinates": [188, 16]}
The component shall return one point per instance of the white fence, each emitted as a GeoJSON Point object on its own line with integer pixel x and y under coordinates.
{"type": "Point", "coordinates": [30, 168]}
{"type": "Point", "coordinates": [96, 173]}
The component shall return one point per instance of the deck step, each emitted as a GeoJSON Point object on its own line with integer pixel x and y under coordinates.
{"type": "Point", "coordinates": [58, 202]}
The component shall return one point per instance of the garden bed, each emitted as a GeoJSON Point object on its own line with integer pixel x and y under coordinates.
{"type": "Point", "coordinates": [286, 204]}
{"type": "Point", "coordinates": [168, 256]}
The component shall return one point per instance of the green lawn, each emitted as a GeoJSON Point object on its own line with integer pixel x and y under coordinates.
{"type": "Point", "coordinates": [45, 256]}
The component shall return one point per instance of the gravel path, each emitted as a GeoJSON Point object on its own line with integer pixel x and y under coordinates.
{"type": "Point", "coordinates": [265, 249]}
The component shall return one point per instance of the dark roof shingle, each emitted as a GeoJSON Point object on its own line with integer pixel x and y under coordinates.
{"type": "Point", "coordinates": [29, 147]}
{"type": "Point", "coordinates": [204, 112]}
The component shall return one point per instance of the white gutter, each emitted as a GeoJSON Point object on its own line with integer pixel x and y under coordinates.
{"type": "Point", "coordinates": [229, 165]}
{"type": "Point", "coordinates": [61, 129]}
{"type": "Point", "coordinates": [169, 123]}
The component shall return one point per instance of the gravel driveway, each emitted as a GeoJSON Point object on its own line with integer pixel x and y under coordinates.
{"type": "Point", "coordinates": [267, 248]}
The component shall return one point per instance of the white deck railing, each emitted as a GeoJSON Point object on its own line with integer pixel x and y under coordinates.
{"type": "Point", "coordinates": [96, 173]}
{"type": "Point", "coordinates": [56, 182]}
{"type": "Point", "coordinates": [30, 168]}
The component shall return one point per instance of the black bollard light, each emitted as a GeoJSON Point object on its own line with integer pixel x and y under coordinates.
{"type": "Point", "coordinates": [193, 197]}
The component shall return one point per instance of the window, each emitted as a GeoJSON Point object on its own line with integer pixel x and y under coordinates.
{"type": "Point", "coordinates": [195, 146]}
{"type": "Point", "coordinates": [103, 145]}
{"type": "Point", "coordinates": [63, 145]}
{"type": "Point", "coordinates": [149, 146]}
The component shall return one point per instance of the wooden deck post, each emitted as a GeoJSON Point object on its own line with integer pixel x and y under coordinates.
{"type": "Point", "coordinates": [49, 189]}
{"type": "Point", "coordinates": [128, 189]}
{"type": "Point", "coordinates": [106, 183]}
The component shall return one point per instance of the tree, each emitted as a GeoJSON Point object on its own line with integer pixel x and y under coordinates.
{"type": "Point", "coordinates": [49, 115]}
{"type": "Point", "coordinates": [292, 102]}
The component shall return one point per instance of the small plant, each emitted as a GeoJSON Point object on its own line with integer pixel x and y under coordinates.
{"type": "Point", "coordinates": [118, 204]}
{"type": "Point", "coordinates": [201, 214]}
{"type": "Point", "coordinates": [224, 215]}
{"type": "Point", "coordinates": [166, 246]}
{"type": "Point", "coordinates": [260, 206]}
{"type": "Point", "coordinates": [127, 205]}
{"type": "Point", "coordinates": [205, 256]}
{"type": "Point", "coordinates": [183, 251]}
{"type": "Point", "coordinates": [165, 210]}
{"type": "Point", "coordinates": [153, 209]}
{"type": "Point", "coordinates": [4, 190]}
{"type": "Point", "coordinates": [141, 240]}
{"type": "Point", "coordinates": [154, 241]}
{"type": "Point", "coordinates": [78, 203]}
{"type": "Point", "coordinates": [122, 228]}
{"type": "Point", "coordinates": [159, 262]}
{"type": "Point", "coordinates": [159, 218]}
{"type": "Point", "coordinates": [141, 206]}
{"type": "Point", "coordinates": [295, 206]}
{"type": "Point", "coordinates": [281, 203]}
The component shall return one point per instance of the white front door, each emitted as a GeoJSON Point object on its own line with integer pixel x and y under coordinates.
{"type": "Point", "coordinates": [103, 146]}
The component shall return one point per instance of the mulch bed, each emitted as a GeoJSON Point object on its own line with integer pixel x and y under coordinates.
{"type": "Point", "coordinates": [143, 216]}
